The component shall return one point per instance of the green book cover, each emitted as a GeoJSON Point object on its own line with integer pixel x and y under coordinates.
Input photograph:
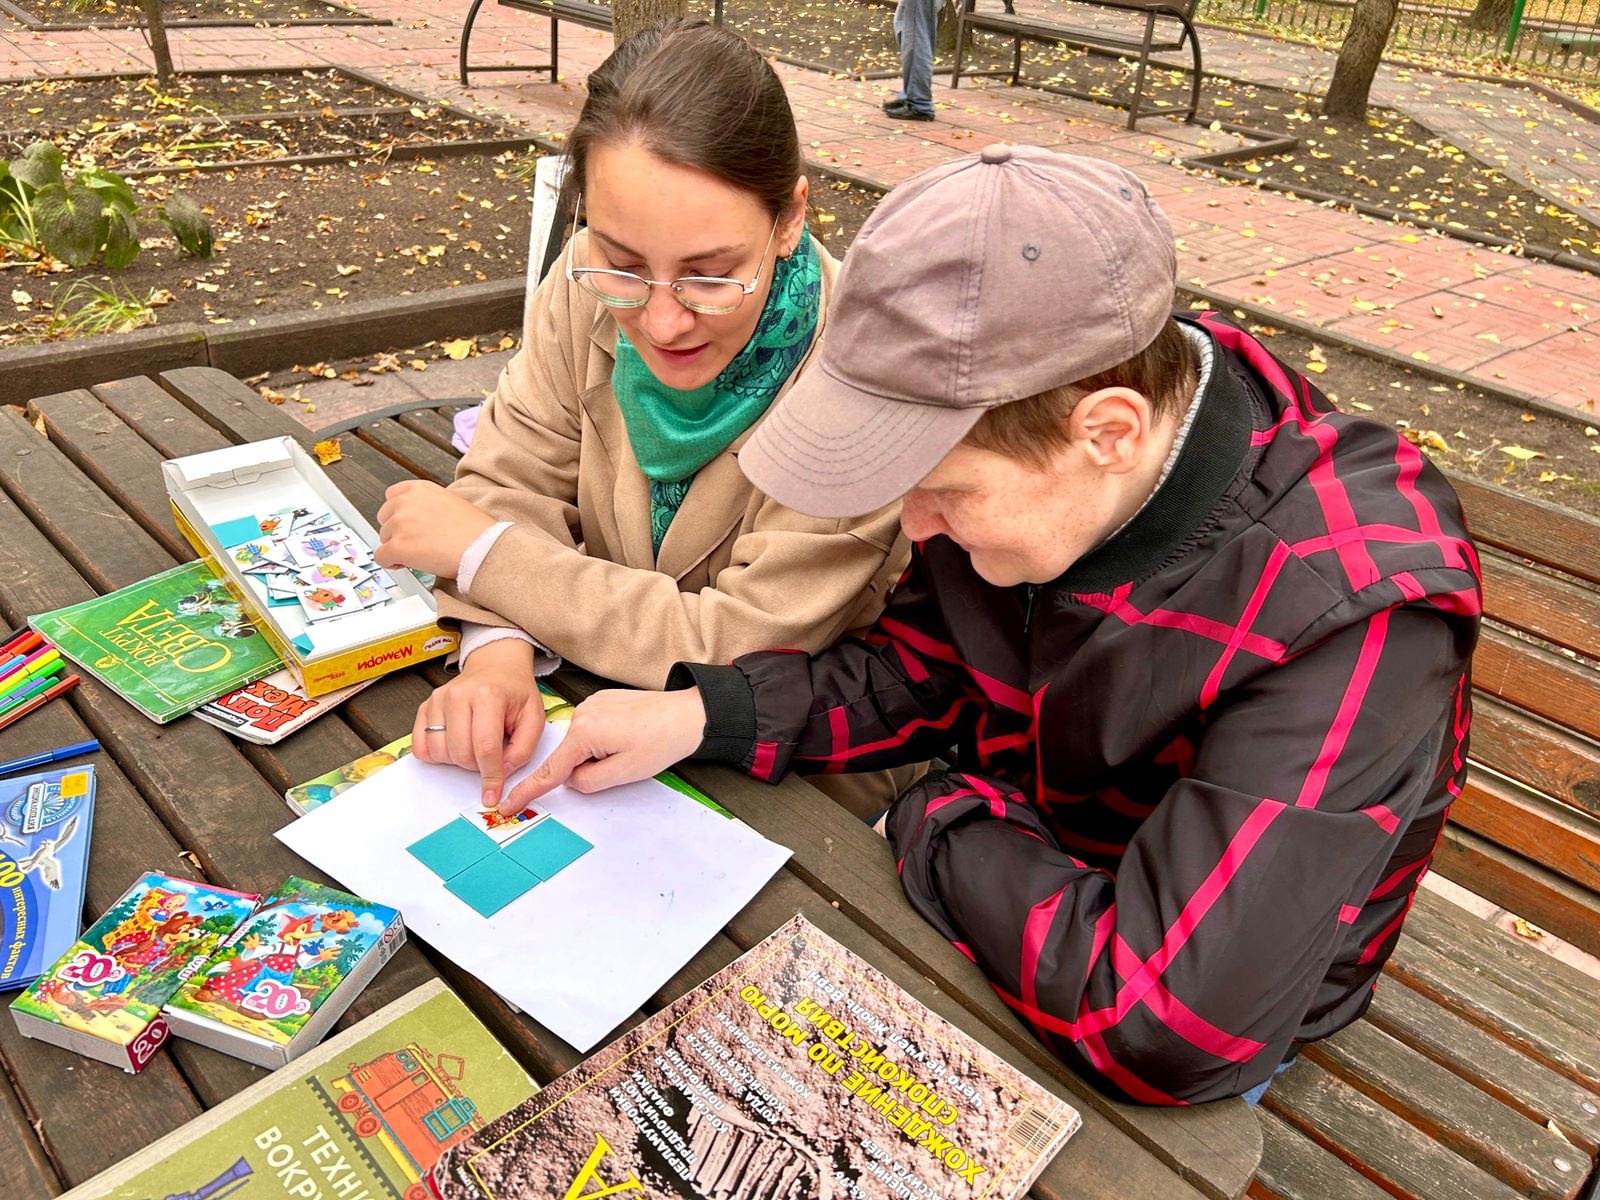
{"type": "Point", "coordinates": [166, 644]}
{"type": "Point", "coordinates": [364, 1115]}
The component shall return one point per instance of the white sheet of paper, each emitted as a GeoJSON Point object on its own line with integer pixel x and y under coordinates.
{"type": "Point", "coordinates": [582, 951]}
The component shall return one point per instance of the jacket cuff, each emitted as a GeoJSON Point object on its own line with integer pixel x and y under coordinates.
{"type": "Point", "coordinates": [730, 732]}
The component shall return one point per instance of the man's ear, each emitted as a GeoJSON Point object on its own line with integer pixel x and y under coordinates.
{"type": "Point", "coordinates": [793, 226]}
{"type": "Point", "coordinates": [1113, 427]}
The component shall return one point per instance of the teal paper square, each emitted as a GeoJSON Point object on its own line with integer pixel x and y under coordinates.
{"type": "Point", "coordinates": [490, 885]}
{"type": "Point", "coordinates": [451, 849]}
{"type": "Point", "coordinates": [237, 531]}
{"type": "Point", "coordinates": [547, 848]}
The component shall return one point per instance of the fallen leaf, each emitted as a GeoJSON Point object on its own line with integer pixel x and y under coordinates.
{"type": "Point", "coordinates": [1526, 929]}
{"type": "Point", "coordinates": [327, 452]}
{"type": "Point", "coordinates": [1521, 453]}
{"type": "Point", "coordinates": [457, 349]}
{"type": "Point", "coordinates": [1316, 368]}
{"type": "Point", "coordinates": [347, 271]}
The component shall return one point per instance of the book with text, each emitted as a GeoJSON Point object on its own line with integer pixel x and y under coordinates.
{"type": "Point", "coordinates": [45, 821]}
{"type": "Point", "coordinates": [166, 644]}
{"type": "Point", "coordinates": [797, 1070]}
{"type": "Point", "coordinates": [269, 710]}
{"type": "Point", "coordinates": [365, 1114]}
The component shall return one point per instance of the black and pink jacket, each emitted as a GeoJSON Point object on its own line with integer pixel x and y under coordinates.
{"type": "Point", "coordinates": [1198, 776]}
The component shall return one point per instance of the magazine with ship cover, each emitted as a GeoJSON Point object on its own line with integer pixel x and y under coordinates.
{"type": "Point", "coordinates": [166, 644]}
{"type": "Point", "coordinates": [798, 1070]}
{"type": "Point", "coordinates": [360, 1117]}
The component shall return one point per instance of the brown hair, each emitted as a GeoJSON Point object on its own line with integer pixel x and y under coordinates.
{"type": "Point", "coordinates": [1030, 430]}
{"type": "Point", "coordinates": [699, 96]}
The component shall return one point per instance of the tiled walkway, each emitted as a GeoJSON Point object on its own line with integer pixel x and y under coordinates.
{"type": "Point", "coordinates": [1514, 324]}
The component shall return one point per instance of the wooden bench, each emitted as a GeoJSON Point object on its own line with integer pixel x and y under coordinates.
{"type": "Point", "coordinates": [579, 12]}
{"type": "Point", "coordinates": [1476, 1042]}
{"type": "Point", "coordinates": [1172, 19]}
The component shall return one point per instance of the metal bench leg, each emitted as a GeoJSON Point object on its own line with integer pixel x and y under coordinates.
{"type": "Point", "coordinates": [1144, 63]}
{"type": "Point", "coordinates": [961, 49]}
{"type": "Point", "coordinates": [466, 37]}
{"type": "Point", "coordinates": [555, 47]}
{"type": "Point", "coordinates": [1016, 60]}
{"type": "Point", "coordinates": [1194, 88]}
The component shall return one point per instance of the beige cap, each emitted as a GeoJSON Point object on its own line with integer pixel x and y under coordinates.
{"type": "Point", "coordinates": [984, 280]}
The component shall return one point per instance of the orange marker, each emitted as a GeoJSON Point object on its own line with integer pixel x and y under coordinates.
{"type": "Point", "coordinates": [66, 684]}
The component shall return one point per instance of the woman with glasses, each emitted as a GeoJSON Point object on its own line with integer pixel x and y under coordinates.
{"type": "Point", "coordinates": [600, 515]}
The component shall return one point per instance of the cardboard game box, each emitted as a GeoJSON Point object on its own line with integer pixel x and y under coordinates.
{"type": "Point", "coordinates": [298, 555]}
{"type": "Point", "coordinates": [287, 974]}
{"type": "Point", "coordinates": [103, 997]}
{"type": "Point", "coordinates": [45, 819]}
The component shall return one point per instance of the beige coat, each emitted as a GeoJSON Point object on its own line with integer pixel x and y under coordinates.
{"type": "Point", "coordinates": [737, 571]}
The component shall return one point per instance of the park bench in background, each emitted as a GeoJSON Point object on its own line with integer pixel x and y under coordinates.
{"type": "Point", "coordinates": [580, 12]}
{"type": "Point", "coordinates": [1477, 1044]}
{"type": "Point", "coordinates": [1156, 26]}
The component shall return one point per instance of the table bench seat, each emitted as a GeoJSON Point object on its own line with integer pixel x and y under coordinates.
{"type": "Point", "coordinates": [1166, 25]}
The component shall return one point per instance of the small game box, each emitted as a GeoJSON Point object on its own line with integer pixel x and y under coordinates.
{"type": "Point", "coordinates": [45, 821]}
{"type": "Point", "coordinates": [286, 974]}
{"type": "Point", "coordinates": [103, 997]}
{"type": "Point", "coordinates": [299, 557]}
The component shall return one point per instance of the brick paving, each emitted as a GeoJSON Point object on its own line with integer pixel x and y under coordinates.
{"type": "Point", "coordinates": [1511, 323]}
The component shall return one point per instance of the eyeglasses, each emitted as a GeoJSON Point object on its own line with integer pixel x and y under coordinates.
{"type": "Point", "coordinates": [704, 294]}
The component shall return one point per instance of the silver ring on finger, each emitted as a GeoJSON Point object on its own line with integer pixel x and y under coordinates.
{"type": "Point", "coordinates": [433, 729]}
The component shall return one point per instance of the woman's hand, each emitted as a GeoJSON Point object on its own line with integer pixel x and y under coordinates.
{"type": "Point", "coordinates": [427, 528]}
{"type": "Point", "coordinates": [618, 737]}
{"type": "Point", "coordinates": [486, 719]}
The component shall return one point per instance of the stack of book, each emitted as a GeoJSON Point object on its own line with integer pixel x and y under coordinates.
{"type": "Point", "coordinates": [262, 979]}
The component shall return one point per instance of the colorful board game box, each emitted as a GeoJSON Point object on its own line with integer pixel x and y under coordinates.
{"type": "Point", "coordinates": [286, 974]}
{"type": "Point", "coordinates": [44, 857]}
{"type": "Point", "coordinates": [299, 557]}
{"type": "Point", "coordinates": [103, 997]}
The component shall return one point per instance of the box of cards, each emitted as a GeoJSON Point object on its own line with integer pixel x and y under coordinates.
{"type": "Point", "coordinates": [299, 557]}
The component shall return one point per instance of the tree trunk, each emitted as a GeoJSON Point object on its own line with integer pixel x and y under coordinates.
{"type": "Point", "coordinates": [155, 32]}
{"type": "Point", "coordinates": [1492, 15]}
{"type": "Point", "coordinates": [945, 41]}
{"type": "Point", "coordinates": [630, 16]}
{"type": "Point", "coordinates": [1359, 57]}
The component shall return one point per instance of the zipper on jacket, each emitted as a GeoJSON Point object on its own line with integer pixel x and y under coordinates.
{"type": "Point", "coordinates": [1027, 615]}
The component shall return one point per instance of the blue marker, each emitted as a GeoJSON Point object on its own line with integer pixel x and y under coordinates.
{"type": "Point", "coordinates": [45, 757]}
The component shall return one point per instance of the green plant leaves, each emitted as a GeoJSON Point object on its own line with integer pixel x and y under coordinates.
{"type": "Point", "coordinates": [189, 224]}
{"type": "Point", "coordinates": [112, 188]}
{"type": "Point", "coordinates": [71, 223]}
{"type": "Point", "coordinates": [122, 237]}
{"type": "Point", "coordinates": [39, 166]}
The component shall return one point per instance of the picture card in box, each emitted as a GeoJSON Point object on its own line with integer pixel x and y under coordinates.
{"type": "Point", "coordinates": [287, 974]}
{"type": "Point", "coordinates": [275, 476]}
{"type": "Point", "coordinates": [103, 997]}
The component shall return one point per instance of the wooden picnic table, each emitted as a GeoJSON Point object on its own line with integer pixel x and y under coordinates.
{"type": "Point", "coordinates": [83, 511]}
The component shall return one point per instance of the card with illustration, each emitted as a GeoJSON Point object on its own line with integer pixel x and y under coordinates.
{"type": "Point", "coordinates": [309, 549]}
{"type": "Point", "coordinates": [502, 828]}
{"type": "Point", "coordinates": [322, 601]}
{"type": "Point", "coordinates": [340, 571]}
{"type": "Point", "coordinates": [258, 554]}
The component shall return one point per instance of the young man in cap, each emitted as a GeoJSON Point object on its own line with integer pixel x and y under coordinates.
{"type": "Point", "coordinates": [1195, 642]}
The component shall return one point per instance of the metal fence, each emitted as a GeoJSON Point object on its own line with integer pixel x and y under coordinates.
{"type": "Point", "coordinates": [1555, 38]}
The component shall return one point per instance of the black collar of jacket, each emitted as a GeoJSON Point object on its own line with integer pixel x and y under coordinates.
{"type": "Point", "coordinates": [1207, 465]}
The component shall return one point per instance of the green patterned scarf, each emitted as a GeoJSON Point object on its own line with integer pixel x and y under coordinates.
{"type": "Point", "coordinates": [674, 433]}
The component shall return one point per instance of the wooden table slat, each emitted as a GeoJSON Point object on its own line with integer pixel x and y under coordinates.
{"type": "Point", "coordinates": [1516, 1080]}
{"type": "Point", "coordinates": [415, 454]}
{"type": "Point", "coordinates": [1452, 1111]}
{"type": "Point", "coordinates": [1359, 1130]}
{"type": "Point", "coordinates": [435, 424]}
{"type": "Point", "coordinates": [1294, 1169]}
